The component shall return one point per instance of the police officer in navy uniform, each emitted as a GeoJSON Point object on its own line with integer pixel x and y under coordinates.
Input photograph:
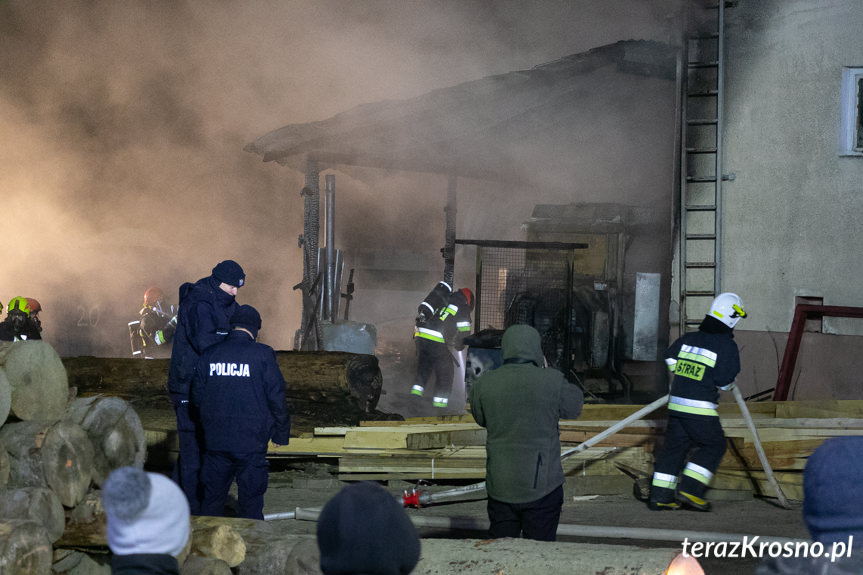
{"type": "Point", "coordinates": [203, 319]}
{"type": "Point", "coordinates": [703, 362]}
{"type": "Point", "coordinates": [240, 393]}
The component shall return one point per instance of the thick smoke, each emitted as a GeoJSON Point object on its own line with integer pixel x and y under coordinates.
{"type": "Point", "coordinates": [122, 162]}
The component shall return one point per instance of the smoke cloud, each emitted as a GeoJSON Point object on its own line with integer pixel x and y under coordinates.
{"type": "Point", "coordinates": [122, 162]}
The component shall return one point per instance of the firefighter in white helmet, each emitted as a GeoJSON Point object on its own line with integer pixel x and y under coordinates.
{"type": "Point", "coordinates": [702, 363]}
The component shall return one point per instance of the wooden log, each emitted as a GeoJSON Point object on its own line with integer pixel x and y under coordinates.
{"type": "Point", "coordinates": [5, 397]}
{"type": "Point", "coordinates": [330, 385]}
{"type": "Point", "coordinates": [38, 504]}
{"type": "Point", "coordinates": [70, 562]}
{"type": "Point", "coordinates": [115, 431]}
{"type": "Point", "coordinates": [67, 461]}
{"type": "Point", "coordinates": [4, 465]}
{"type": "Point", "coordinates": [221, 542]}
{"type": "Point", "coordinates": [24, 548]}
{"type": "Point", "coordinates": [38, 381]}
{"type": "Point", "coordinates": [23, 443]}
{"type": "Point", "coordinates": [198, 565]}
{"type": "Point", "coordinates": [58, 456]}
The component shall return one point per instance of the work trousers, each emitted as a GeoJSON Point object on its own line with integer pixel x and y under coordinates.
{"type": "Point", "coordinates": [701, 435]}
{"type": "Point", "coordinates": [218, 471]}
{"type": "Point", "coordinates": [535, 520]}
{"type": "Point", "coordinates": [187, 468]}
{"type": "Point", "coordinates": [434, 360]}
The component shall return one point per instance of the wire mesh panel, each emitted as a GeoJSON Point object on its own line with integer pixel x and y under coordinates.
{"type": "Point", "coordinates": [520, 284]}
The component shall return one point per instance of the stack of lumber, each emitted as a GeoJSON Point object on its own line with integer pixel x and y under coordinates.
{"type": "Point", "coordinates": [453, 447]}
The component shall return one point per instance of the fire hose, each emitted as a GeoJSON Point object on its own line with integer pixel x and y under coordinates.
{"type": "Point", "coordinates": [418, 498]}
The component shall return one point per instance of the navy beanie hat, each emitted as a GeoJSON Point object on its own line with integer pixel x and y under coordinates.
{"type": "Point", "coordinates": [832, 477]}
{"type": "Point", "coordinates": [248, 317]}
{"type": "Point", "coordinates": [229, 272]}
{"type": "Point", "coordinates": [363, 529]}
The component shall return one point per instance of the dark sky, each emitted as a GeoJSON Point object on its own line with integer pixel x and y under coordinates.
{"type": "Point", "coordinates": [122, 162]}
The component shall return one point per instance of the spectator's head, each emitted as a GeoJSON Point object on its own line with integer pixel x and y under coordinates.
{"type": "Point", "coordinates": [147, 513]}
{"type": "Point", "coordinates": [832, 509]}
{"type": "Point", "coordinates": [363, 529]}
{"type": "Point", "coordinates": [522, 343]}
{"type": "Point", "coordinates": [248, 318]}
{"type": "Point", "coordinates": [230, 276]}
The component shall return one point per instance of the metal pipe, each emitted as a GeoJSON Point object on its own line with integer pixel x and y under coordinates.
{"type": "Point", "coordinates": [461, 523]}
{"type": "Point", "coordinates": [433, 497]}
{"type": "Point", "coordinates": [329, 307]}
{"type": "Point", "coordinates": [449, 239]}
{"type": "Point", "coordinates": [283, 515]}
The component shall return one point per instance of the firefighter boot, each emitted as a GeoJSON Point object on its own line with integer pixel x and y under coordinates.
{"type": "Point", "coordinates": [654, 505]}
{"type": "Point", "coordinates": [689, 501]}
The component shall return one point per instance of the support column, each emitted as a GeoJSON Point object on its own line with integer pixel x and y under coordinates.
{"type": "Point", "coordinates": [448, 250]}
{"type": "Point", "coordinates": [309, 332]}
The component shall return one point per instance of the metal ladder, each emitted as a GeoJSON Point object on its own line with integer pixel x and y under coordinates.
{"type": "Point", "coordinates": [701, 162]}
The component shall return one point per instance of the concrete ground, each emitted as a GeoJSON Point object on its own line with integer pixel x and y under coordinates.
{"type": "Point", "coordinates": [466, 550]}
{"type": "Point", "coordinates": [314, 484]}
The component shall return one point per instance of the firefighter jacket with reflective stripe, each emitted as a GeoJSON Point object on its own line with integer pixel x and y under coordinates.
{"type": "Point", "coordinates": [450, 324]}
{"type": "Point", "coordinates": [157, 327]}
{"type": "Point", "coordinates": [702, 362]}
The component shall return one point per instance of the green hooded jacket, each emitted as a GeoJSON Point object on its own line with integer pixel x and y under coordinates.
{"type": "Point", "coordinates": [520, 405]}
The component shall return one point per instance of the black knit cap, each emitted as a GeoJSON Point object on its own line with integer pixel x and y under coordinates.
{"type": "Point", "coordinates": [834, 472]}
{"type": "Point", "coordinates": [229, 272]}
{"type": "Point", "coordinates": [248, 317]}
{"type": "Point", "coordinates": [364, 530]}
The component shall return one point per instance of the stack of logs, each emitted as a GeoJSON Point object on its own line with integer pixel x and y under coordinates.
{"type": "Point", "coordinates": [56, 451]}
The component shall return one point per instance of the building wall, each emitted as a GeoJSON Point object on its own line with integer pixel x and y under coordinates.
{"type": "Point", "coordinates": [793, 215]}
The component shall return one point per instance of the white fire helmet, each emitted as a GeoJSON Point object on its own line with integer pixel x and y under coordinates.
{"type": "Point", "coordinates": [727, 308]}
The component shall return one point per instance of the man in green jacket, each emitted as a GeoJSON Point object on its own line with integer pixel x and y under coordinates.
{"type": "Point", "coordinates": [520, 405]}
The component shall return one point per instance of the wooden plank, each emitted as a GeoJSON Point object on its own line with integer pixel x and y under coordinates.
{"type": "Point", "coordinates": [460, 418]}
{"type": "Point", "coordinates": [415, 437]}
{"type": "Point", "coordinates": [309, 445]}
{"type": "Point", "coordinates": [782, 455]}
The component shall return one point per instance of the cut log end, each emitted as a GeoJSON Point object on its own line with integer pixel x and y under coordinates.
{"type": "Point", "coordinates": [25, 548]}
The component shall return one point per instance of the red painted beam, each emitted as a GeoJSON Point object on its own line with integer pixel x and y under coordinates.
{"type": "Point", "coordinates": [801, 313]}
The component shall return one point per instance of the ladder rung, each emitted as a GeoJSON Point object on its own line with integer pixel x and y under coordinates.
{"type": "Point", "coordinates": [702, 122]}
{"type": "Point", "coordinates": [694, 180]}
{"type": "Point", "coordinates": [697, 293]}
{"type": "Point", "coordinates": [700, 150]}
{"type": "Point", "coordinates": [702, 65]}
{"type": "Point", "coordinates": [705, 36]}
{"type": "Point", "coordinates": [704, 208]}
{"type": "Point", "coordinates": [700, 265]}
{"type": "Point", "coordinates": [705, 94]}
{"type": "Point", "coordinates": [700, 236]}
